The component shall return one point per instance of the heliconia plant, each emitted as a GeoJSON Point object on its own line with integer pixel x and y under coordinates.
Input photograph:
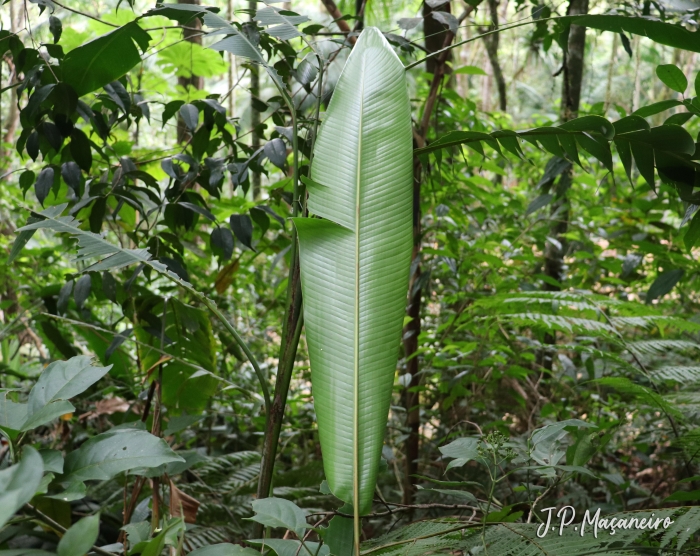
{"type": "Point", "coordinates": [355, 263]}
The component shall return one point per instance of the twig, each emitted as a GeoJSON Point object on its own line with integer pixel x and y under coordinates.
{"type": "Point", "coordinates": [61, 529]}
{"type": "Point", "coordinates": [86, 15]}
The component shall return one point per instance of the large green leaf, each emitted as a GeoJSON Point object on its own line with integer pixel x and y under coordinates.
{"type": "Point", "coordinates": [105, 59]}
{"type": "Point", "coordinates": [104, 456]}
{"type": "Point", "coordinates": [63, 380]}
{"type": "Point", "coordinates": [355, 262]}
{"type": "Point", "coordinates": [658, 31]}
{"type": "Point", "coordinates": [59, 382]}
{"type": "Point", "coordinates": [80, 538]}
{"type": "Point", "coordinates": [278, 512]}
{"type": "Point", "coordinates": [19, 483]}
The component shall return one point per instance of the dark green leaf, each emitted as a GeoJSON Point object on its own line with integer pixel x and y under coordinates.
{"type": "Point", "coordinates": [278, 512]}
{"type": "Point", "coordinates": [222, 243]}
{"type": "Point", "coordinates": [276, 151]}
{"type": "Point", "coordinates": [657, 107]}
{"type": "Point", "coordinates": [538, 203]}
{"type": "Point", "coordinates": [63, 380]}
{"type": "Point", "coordinates": [56, 338]}
{"type": "Point", "coordinates": [82, 290]}
{"type": "Point", "coordinates": [53, 135]}
{"type": "Point", "coordinates": [672, 76]}
{"type": "Point", "coordinates": [625, 152]}
{"type": "Point", "coordinates": [64, 296]}
{"type": "Point", "coordinates": [242, 227]}
{"type": "Point", "coordinates": [43, 184]}
{"type": "Point", "coordinates": [593, 124]}
{"type": "Point", "coordinates": [18, 483]}
{"type": "Point", "coordinates": [71, 175]}
{"type": "Point", "coordinates": [664, 283]}
{"type": "Point", "coordinates": [189, 115]}
{"type": "Point", "coordinates": [56, 28]}
{"type": "Point", "coordinates": [97, 214]}
{"type": "Point", "coordinates": [626, 44]}
{"type": "Point", "coordinates": [692, 234]}
{"type": "Point", "coordinates": [33, 145]}
{"type": "Point", "coordinates": [644, 159]}
{"type": "Point", "coordinates": [600, 149]}
{"type": "Point", "coordinates": [109, 286]}
{"type": "Point", "coordinates": [678, 119]}
{"type": "Point", "coordinates": [199, 210]}
{"type": "Point", "coordinates": [80, 150]}
{"type": "Point", "coordinates": [118, 340]}
{"type": "Point", "coordinates": [26, 180]}
{"type": "Point", "coordinates": [119, 95]}
{"type": "Point", "coordinates": [21, 240]}
{"type": "Point", "coordinates": [261, 219]}
{"type": "Point", "coordinates": [171, 109]}
{"type": "Point", "coordinates": [107, 454]}
{"type": "Point", "coordinates": [53, 460]}
{"type": "Point", "coordinates": [630, 123]}
{"type": "Point", "coordinates": [80, 538]}
{"type": "Point", "coordinates": [105, 59]}
{"type": "Point", "coordinates": [306, 72]}
{"type": "Point", "coordinates": [669, 34]}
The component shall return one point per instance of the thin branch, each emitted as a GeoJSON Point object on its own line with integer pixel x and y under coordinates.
{"type": "Point", "coordinates": [61, 529]}
{"type": "Point", "coordinates": [450, 47]}
{"type": "Point", "coordinates": [86, 15]}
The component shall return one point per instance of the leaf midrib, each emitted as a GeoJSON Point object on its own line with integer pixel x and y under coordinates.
{"type": "Point", "coordinates": [356, 370]}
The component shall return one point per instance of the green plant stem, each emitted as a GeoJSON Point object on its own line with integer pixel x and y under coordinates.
{"type": "Point", "coordinates": [291, 331]}
{"type": "Point", "coordinates": [61, 529]}
{"type": "Point", "coordinates": [249, 354]}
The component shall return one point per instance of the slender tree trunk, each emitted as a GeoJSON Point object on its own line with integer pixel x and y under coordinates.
{"type": "Point", "coordinates": [335, 13]}
{"type": "Point", "coordinates": [360, 14]}
{"type": "Point", "coordinates": [411, 397]}
{"type": "Point", "coordinates": [491, 43]}
{"type": "Point", "coordinates": [435, 33]}
{"type": "Point", "coordinates": [191, 33]}
{"type": "Point", "coordinates": [560, 213]}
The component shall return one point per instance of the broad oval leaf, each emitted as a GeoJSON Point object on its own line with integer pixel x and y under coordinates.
{"type": "Point", "coordinates": [80, 538]}
{"type": "Point", "coordinates": [672, 76]}
{"type": "Point", "coordinates": [355, 261]}
{"type": "Point", "coordinates": [278, 512]}
{"type": "Point", "coordinates": [189, 115]}
{"type": "Point", "coordinates": [43, 184]}
{"type": "Point", "coordinates": [104, 456]}
{"type": "Point", "coordinates": [664, 283]}
{"type": "Point", "coordinates": [18, 483]}
{"type": "Point", "coordinates": [63, 380]}
{"type": "Point", "coordinates": [82, 290]}
{"type": "Point", "coordinates": [105, 59]}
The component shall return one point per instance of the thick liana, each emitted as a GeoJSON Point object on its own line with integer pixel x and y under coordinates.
{"type": "Point", "coordinates": [355, 262]}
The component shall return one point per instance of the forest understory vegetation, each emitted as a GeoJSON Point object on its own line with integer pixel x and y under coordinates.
{"type": "Point", "coordinates": [366, 278]}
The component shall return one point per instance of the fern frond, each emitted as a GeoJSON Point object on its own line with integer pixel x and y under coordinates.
{"type": "Point", "coordinates": [689, 443]}
{"type": "Point", "coordinates": [649, 321]}
{"type": "Point", "coordinates": [653, 347]}
{"type": "Point", "coordinates": [640, 393]}
{"type": "Point", "coordinates": [682, 529]}
{"type": "Point", "coordinates": [559, 323]}
{"type": "Point", "coordinates": [677, 374]}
